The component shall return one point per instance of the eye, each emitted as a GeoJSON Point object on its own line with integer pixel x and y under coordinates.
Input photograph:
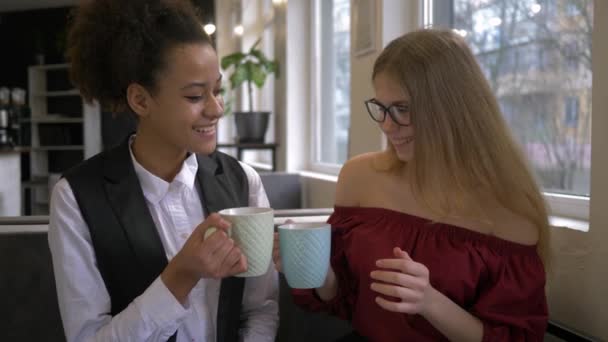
{"type": "Point", "coordinates": [402, 109]}
{"type": "Point", "coordinates": [194, 99]}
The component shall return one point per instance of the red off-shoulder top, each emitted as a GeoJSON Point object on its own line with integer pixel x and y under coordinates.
{"type": "Point", "coordinates": [500, 282]}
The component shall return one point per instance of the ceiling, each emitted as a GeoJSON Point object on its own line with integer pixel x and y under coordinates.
{"type": "Point", "coordinates": [20, 5]}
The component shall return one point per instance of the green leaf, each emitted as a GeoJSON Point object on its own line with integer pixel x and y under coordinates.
{"type": "Point", "coordinates": [240, 75]}
{"type": "Point", "coordinates": [232, 59]}
{"type": "Point", "coordinates": [259, 55]}
{"type": "Point", "coordinates": [258, 75]}
{"type": "Point", "coordinates": [273, 67]}
{"type": "Point", "coordinates": [251, 66]}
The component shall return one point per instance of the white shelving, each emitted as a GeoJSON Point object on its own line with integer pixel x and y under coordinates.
{"type": "Point", "coordinates": [41, 177]}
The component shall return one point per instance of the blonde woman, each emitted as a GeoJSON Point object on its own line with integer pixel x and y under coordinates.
{"type": "Point", "coordinates": [443, 236]}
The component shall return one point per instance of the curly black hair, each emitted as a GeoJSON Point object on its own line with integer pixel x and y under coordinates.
{"type": "Point", "coordinates": [113, 43]}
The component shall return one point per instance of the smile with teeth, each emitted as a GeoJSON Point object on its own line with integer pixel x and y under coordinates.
{"type": "Point", "coordinates": [401, 141]}
{"type": "Point", "coordinates": [205, 130]}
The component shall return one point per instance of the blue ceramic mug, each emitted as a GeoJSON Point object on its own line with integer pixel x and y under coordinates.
{"type": "Point", "coordinates": [305, 250]}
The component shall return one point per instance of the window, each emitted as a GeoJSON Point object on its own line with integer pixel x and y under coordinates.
{"type": "Point", "coordinates": [331, 83]}
{"type": "Point", "coordinates": [542, 78]}
{"type": "Point", "coordinates": [571, 57]}
{"type": "Point", "coordinates": [571, 114]}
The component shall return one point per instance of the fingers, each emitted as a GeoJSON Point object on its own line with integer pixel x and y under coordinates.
{"type": "Point", "coordinates": [403, 265]}
{"type": "Point", "coordinates": [212, 221]}
{"type": "Point", "coordinates": [399, 253]}
{"type": "Point", "coordinates": [276, 253]}
{"type": "Point", "coordinates": [397, 278]}
{"type": "Point", "coordinates": [231, 260]}
{"type": "Point", "coordinates": [239, 267]}
{"type": "Point", "coordinates": [398, 292]}
{"type": "Point", "coordinates": [214, 243]}
{"type": "Point", "coordinates": [227, 261]}
{"type": "Point", "coordinates": [396, 306]}
{"type": "Point", "coordinates": [225, 247]}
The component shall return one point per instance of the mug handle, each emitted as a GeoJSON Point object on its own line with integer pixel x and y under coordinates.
{"type": "Point", "coordinates": [212, 230]}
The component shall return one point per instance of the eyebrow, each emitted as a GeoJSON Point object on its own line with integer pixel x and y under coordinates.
{"type": "Point", "coordinates": [396, 103]}
{"type": "Point", "coordinates": [201, 84]}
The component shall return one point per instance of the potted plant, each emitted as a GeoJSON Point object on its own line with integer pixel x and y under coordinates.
{"type": "Point", "coordinates": [252, 68]}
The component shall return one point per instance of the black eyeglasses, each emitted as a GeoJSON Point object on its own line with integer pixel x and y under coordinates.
{"type": "Point", "coordinates": [399, 113]}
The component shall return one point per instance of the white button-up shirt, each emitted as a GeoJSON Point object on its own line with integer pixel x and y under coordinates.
{"type": "Point", "coordinates": [156, 314]}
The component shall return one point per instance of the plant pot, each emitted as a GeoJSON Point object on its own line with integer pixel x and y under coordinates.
{"type": "Point", "coordinates": [251, 126]}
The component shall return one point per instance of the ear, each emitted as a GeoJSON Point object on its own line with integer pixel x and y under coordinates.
{"type": "Point", "coordinates": [139, 99]}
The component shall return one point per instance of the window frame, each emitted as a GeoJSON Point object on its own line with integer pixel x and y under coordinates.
{"type": "Point", "coordinates": [561, 205]}
{"type": "Point", "coordinates": [315, 164]}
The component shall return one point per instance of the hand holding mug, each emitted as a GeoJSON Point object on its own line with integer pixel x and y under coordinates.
{"type": "Point", "coordinates": [209, 252]}
{"type": "Point", "coordinates": [204, 255]}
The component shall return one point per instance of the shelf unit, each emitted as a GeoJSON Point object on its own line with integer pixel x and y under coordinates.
{"type": "Point", "coordinates": [63, 132]}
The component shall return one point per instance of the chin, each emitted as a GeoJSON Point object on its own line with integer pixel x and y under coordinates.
{"type": "Point", "coordinates": [204, 149]}
{"type": "Point", "coordinates": [405, 155]}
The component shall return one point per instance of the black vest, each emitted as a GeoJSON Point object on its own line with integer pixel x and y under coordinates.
{"type": "Point", "coordinates": [129, 252]}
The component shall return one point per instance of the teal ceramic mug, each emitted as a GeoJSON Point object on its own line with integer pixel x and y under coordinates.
{"type": "Point", "coordinates": [305, 250]}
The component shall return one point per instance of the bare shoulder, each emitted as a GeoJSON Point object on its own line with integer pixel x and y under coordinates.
{"type": "Point", "coordinates": [514, 227]}
{"type": "Point", "coordinates": [351, 181]}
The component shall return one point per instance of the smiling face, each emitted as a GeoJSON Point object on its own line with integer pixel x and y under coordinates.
{"type": "Point", "coordinates": [182, 114]}
{"type": "Point", "coordinates": [389, 93]}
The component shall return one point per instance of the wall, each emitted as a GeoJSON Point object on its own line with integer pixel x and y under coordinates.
{"type": "Point", "coordinates": [25, 34]}
{"type": "Point", "coordinates": [226, 43]}
{"type": "Point", "coordinates": [578, 289]}
{"type": "Point", "coordinates": [578, 286]}
{"type": "Point", "coordinates": [393, 18]}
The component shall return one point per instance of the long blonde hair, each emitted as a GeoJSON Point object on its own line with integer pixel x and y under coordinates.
{"type": "Point", "coordinates": [464, 149]}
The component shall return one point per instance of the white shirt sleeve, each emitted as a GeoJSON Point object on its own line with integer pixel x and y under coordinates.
{"type": "Point", "coordinates": [84, 301]}
{"type": "Point", "coordinates": [260, 310]}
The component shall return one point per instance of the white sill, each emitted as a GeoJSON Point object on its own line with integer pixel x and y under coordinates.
{"type": "Point", "coordinates": [319, 176]}
{"type": "Point", "coordinates": [569, 223]}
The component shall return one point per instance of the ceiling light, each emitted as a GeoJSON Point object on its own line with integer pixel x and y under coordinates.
{"type": "Point", "coordinates": [209, 29]}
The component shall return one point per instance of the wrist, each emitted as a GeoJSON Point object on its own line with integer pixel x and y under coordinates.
{"type": "Point", "coordinates": [432, 303]}
{"type": "Point", "coordinates": [179, 282]}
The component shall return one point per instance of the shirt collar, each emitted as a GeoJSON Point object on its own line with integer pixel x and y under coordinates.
{"type": "Point", "coordinates": [154, 187]}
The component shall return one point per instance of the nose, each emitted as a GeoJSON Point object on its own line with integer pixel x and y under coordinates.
{"type": "Point", "coordinates": [388, 125]}
{"type": "Point", "coordinates": [214, 107]}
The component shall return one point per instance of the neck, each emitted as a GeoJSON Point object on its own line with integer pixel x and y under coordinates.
{"type": "Point", "coordinates": [160, 159]}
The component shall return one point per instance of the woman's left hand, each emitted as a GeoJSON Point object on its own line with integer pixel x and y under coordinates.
{"type": "Point", "coordinates": [404, 279]}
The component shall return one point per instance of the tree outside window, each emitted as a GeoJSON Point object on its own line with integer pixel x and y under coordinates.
{"type": "Point", "coordinates": [537, 57]}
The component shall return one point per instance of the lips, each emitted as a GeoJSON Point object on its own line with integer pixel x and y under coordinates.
{"type": "Point", "coordinates": [204, 130]}
{"type": "Point", "coordinates": [401, 140]}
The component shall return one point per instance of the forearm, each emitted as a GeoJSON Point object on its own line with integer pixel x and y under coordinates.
{"type": "Point", "coordinates": [330, 288]}
{"type": "Point", "coordinates": [178, 283]}
{"type": "Point", "coordinates": [155, 315]}
{"type": "Point", "coordinates": [451, 320]}
{"type": "Point", "coordinates": [260, 312]}
{"type": "Point", "coordinates": [262, 327]}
